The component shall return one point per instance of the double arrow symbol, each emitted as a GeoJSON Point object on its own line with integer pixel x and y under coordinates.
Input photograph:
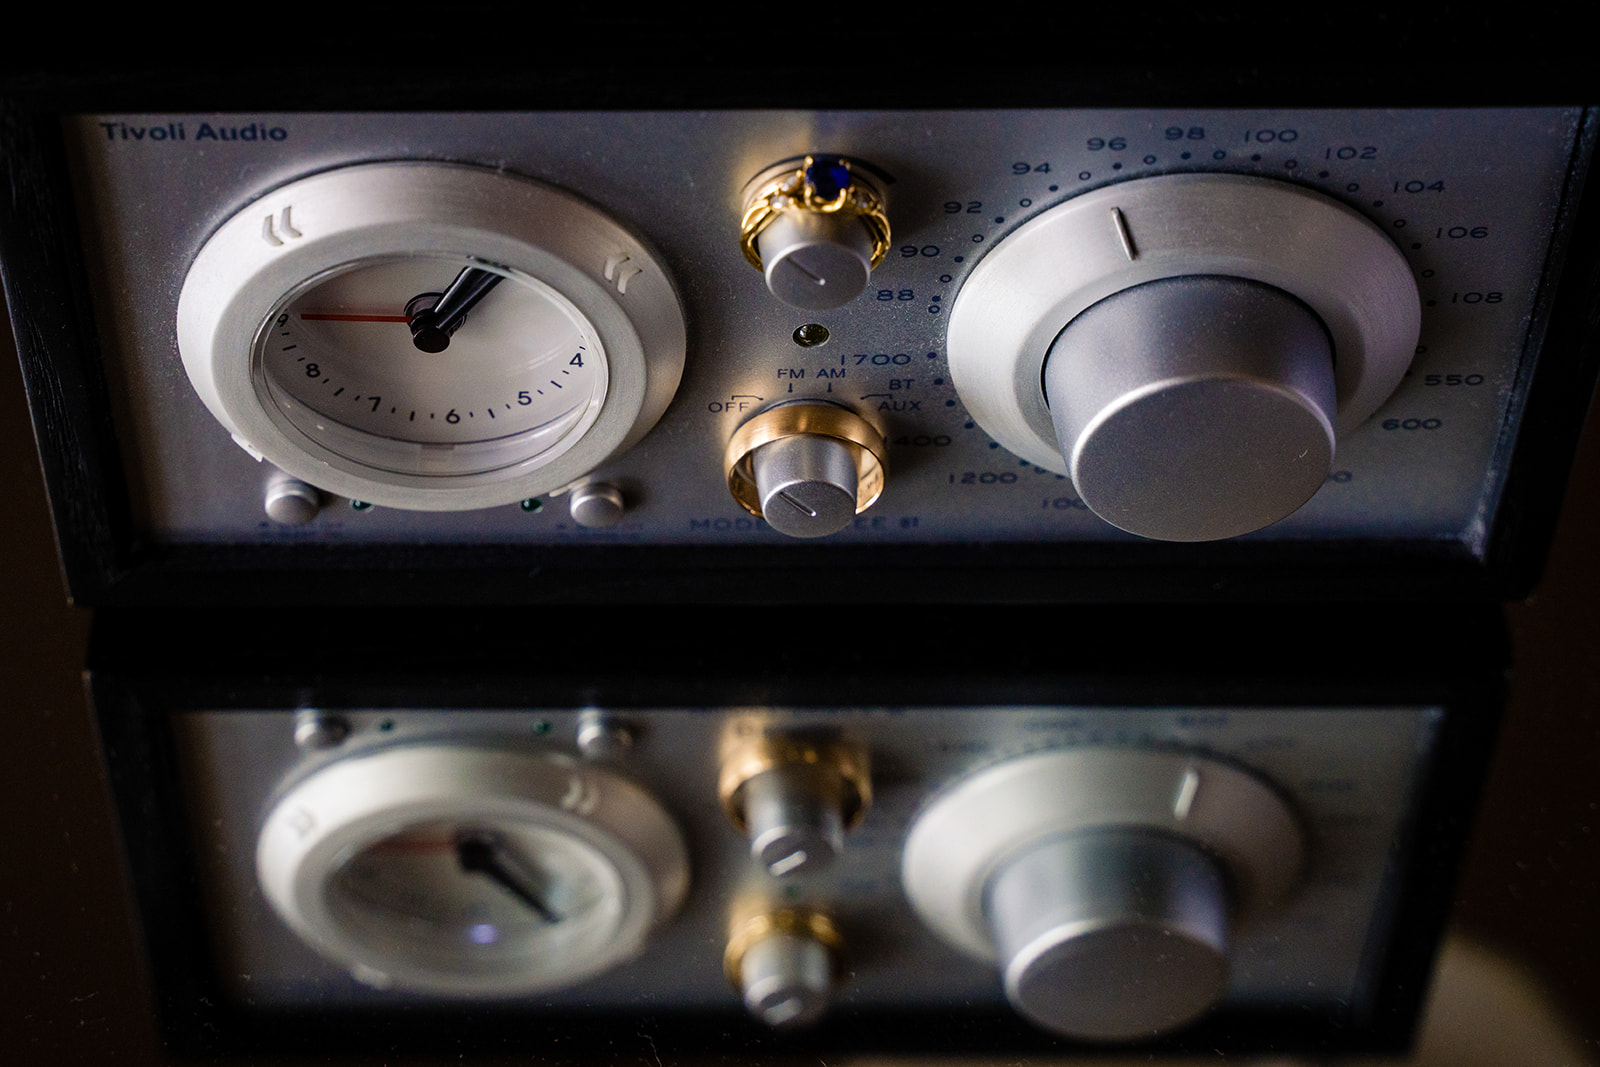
{"type": "Point", "coordinates": [269, 234]}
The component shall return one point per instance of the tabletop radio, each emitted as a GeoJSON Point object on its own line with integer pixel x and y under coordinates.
{"type": "Point", "coordinates": [1076, 347]}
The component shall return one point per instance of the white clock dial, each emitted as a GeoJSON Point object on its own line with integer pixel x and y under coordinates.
{"type": "Point", "coordinates": [430, 336]}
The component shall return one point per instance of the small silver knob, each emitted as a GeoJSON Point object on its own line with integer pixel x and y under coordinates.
{"type": "Point", "coordinates": [786, 980]}
{"type": "Point", "coordinates": [316, 730]}
{"type": "Point", "coordinates": [1194, 408]}
{"type": "Point", "coordinates": [807, 484]}
{"type": "Point", "coordinates": [603, 736]}
{"type": "Point", "coordinates": [1111, 935]}
{"type": "Point", "coordinates": [794, 796]}
{"type": "Point", "coordinates": [816, 262]}
{"type": "Point", "coordinates": [290, 501]}
{"type": "Point", "coordinates": [785, 963]}
{"type": "Point", "coordinates": [596, 504]}
{"type": "Point", "coordinates": [794, 816]}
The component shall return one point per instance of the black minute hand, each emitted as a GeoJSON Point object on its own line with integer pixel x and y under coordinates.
{"type": "Point", "coordinates": [481, 854]}
{"type": "Point", "coordinates": [431, 327]}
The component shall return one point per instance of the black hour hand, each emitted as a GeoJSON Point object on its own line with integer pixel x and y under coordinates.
{"type": "Point", "coordinates": [481, 854]}
{"type": "Point", "coordinates": [431, 326]}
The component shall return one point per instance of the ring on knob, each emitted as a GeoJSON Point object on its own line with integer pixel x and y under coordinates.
{"type": "Point", "coordinates": [815, 231]}
{"type": "Point", "coordinates": [1103, 882]}
{"type": "Point", "coordinates": [1111, 935]}
{"type": "Point", "coordinates": [806, 466]}
{"type": "Point", "coordinates": [1195, 408]}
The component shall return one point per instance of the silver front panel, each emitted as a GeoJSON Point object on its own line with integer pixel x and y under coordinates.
{"type": "Point", "coordinates": [1352, 775]}
{"type": "Point", "coordinates": [1471, 198]}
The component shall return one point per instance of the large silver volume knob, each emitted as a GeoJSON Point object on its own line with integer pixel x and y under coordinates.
{"type": "Point", "coordinates": [1192, 409]}
{"type": "Point", "coordinates": [1111, 935]}
{"type": "Point", "coordinates": [1103, 882]}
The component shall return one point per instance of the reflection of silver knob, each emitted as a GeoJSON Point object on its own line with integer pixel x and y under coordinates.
{"type": "Point", "coordinates": [1111, 935]}
{"type": "Point", "coordinates": [1104, 882]}
{"type": "Point", "coordinates": [785, 964]}
{"type": "Point", "coordinates": [794, 796]}
{"type": "Point", "coordinates": [807, 484]}
{"type": "Point", "coordinates": [794, 815]}
{"type": "Point", "coordinates": [1194, 408]}
{"type": "Point", "coordinates": [814, 261]}
{"type": "Point", "coordinates": [786, 980]}
{"type": "Point", "coordinates": [290, 501]}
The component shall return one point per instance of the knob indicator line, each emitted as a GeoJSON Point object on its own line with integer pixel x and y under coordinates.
{"type": "Point", "coordinates": [1125, 238]}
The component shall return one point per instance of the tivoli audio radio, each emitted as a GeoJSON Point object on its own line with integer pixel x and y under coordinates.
{"type": "Point", "coordinates": [499, 329]}
{"type": "Point", "coordinates": [642, 354]}
{"type": "Point", "coordinates": [1030, 839]}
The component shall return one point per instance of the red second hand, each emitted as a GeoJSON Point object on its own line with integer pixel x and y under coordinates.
{"type": "Point", "coordinates": [328, 316]}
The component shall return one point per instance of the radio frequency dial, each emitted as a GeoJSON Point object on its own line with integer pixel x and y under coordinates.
{"type": "Point", "coordinates": [1185, 348]}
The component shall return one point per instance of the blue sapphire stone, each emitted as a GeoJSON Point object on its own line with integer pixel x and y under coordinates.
{"type": "Point", "coordinates": [828, 176]}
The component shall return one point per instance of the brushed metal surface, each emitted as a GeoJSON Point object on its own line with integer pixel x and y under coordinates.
{"type": "Point", "coordinates": [1349, 772]}
{"type": "Point", "coordinates": [1470, 196]}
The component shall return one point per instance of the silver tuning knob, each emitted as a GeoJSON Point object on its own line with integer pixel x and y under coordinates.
{"type": "Point", "coordinates": [1185, 347]}
{"type": "Point", "coordinates": [1103, 882]}
{"type": "Point", "coordinates": [1111, 935]}
{"type": "Point", "coordinates": [1195, 408]}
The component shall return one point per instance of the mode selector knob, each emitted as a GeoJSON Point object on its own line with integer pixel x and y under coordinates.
{"type": "Point", "coordinates": [808, 467]}
{"type": "Point", "coordinates": [807, 484]}
{"type": "Point", "coordinates": [786, 964]}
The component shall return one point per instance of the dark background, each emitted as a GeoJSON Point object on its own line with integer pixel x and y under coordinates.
{"type": "Point", "coordinates": [70, 985]}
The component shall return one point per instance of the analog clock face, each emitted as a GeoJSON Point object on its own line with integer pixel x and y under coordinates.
{"type": "Point", "coordinates": [430, 336]}
{"type": "Point", "coordinates": [462, 871]}
{"type": "Point", "coordinates": [519, 377]}
{"type": "Point", "coordinates": [468, 896]}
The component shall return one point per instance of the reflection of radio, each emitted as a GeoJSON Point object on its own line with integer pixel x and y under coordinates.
{"type": "Point", "coordinates": [507, 353]}
{"type": "Point", "coordinates": [1018, 848]}
{"type": "Point", "coordinates": [461, 337]}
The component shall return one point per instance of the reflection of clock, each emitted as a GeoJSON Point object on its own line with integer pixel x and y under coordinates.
{"type": "Point", "coordinates": [466, 871]}
{"type": "Point", "coordinates": [430, 336]}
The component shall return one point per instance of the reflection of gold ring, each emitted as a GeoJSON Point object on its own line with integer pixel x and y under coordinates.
{"type": "Point", "coordinates": [795, 190]}
{"type": "Point", "coordinates": [817, 417]}
{"type": "Point", "coordinates": [744, 757]}
{"type": "Point", "coordinates": [793, 922]}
